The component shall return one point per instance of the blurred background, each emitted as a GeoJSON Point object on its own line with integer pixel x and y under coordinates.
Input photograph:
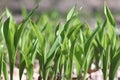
{"type": "Point", "coordinates": [90, 8]}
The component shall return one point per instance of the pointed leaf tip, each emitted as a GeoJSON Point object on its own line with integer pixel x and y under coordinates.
{"type": "Point", "coordinates": [109, 15]}
{"type": "Point", "coordinates": [70, 14]}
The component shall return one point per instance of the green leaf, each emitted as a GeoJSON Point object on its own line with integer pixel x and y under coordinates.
{"type": "Point", "coordinates": [72, 52]}
{"type": "Point", "coordinates": [106, 62]}
{"type": "Point", "coordinates": [22, 67]}
{"type": "Point", "coordinates": [108, 15]}
{"type": "Point", "coordinates": [57, 29]}
{"type": "Point", "coordinates": [9, 43]}
{"type": "Point", "coordinates": [6, 32]}
{"type": "Point", "coordinates": [33, 50]}
{"type": "Point", "coordinates": [5, 70]}
{"type": "Point", "coordinates": [1, 63]}
{"type": "Point", "coordinates": [27, 61]}
{"type": "Point", "coordinates": [51, 54]}
{"type": "Point", "coordinates": [9, 14]}
{"type": "Point", "coordinates": [24, 11]}
{"type": "Point", "coordinates": [101, 32]}
{"type": "Point", "coordinates": [57, 63]}
{"type": "Point", "coordinates": [21, 27]}
{"type": "Point", "coordinates": [30, 72]}
{"type": "Point", "coordinates": [71, 13]}
{"type": "Point", "coordinates": [78, 60]}
{"type": "Point", "coordinates": [72, 30]}
{"type": "Point", "coordinates": [37, 32]}
{"type": "Point", "coordinates": [66, 28]}
{"type": "Point", "coordinates": [88, 60]}
{"type": "Point", "coordinates": [115, 62]}
{"type": "Point", "coordinates": [90, 39]}
{"type": "Point", "coordinates": [44, 27]}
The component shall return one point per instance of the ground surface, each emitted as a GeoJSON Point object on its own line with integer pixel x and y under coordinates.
{"type": "Point", "coordinates": [97, 75]}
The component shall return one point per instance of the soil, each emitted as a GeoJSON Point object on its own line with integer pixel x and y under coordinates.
{"type": "Point", "coordinates": [93, 74]}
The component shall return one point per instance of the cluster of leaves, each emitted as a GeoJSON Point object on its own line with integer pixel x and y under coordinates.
{"type": "Point", "coordinates": [60, 49]}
